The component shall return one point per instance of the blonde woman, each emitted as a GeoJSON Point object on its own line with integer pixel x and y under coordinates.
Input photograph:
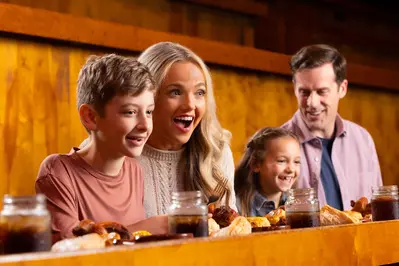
{"type": "Point", "coordinates": [188, 149]}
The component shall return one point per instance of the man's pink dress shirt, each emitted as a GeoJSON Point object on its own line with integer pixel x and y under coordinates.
{"type": "Point", "coordinates": [353, 155]}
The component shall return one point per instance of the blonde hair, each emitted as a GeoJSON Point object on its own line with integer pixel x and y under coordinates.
{"type": "Point", "coordinates": [204, 148]}
{"type": "Point", "coordinates": [245, 179]}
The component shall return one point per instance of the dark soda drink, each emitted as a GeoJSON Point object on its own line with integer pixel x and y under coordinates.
{"type": "Point", "coordinates": [303, 219]}
{"type": "Point", "coordinates": [26, 240]}
{"type": "Point", "coordinates": [385, 208]}
{"type": "Point", "coordinates": [195, 224]}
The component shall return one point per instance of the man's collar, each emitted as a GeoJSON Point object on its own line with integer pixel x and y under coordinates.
{"type": "Point", "coordinates": [305, 135]}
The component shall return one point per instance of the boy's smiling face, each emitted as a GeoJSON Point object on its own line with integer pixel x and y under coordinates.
{"type": "Point", "coordinates": [126, 124]}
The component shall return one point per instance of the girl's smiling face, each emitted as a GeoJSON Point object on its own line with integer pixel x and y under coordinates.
{"type": "Point", "coordinates": [281, 165]}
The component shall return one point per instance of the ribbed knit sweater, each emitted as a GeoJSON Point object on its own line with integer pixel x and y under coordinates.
{"type": "Point", "coordinates": [163, 174]}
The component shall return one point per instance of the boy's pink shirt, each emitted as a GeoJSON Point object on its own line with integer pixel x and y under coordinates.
{"type": "Point", "coordinates": [76, 191]}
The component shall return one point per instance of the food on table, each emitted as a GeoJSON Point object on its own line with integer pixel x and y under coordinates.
{"type": "Point", "coordinates": [362, 205]}
{"type": "Point", "coordinates": [103, 229]}
{"type": "Point", "coordinates": [224, 216]}
{"type": "Point", "coordinates": [258, 221]}
{"type": "Point", "coordinates": [239, 226]}
{"type": "Point", "coordinates": [85, 227]}
{"type": "Point", "coordinates": [332, 216]}
{"type": "Point", "coordinates": [367, 218]}
{"type": "Point", "coordinates": [224, 222]}
{"type": "Point", "coordinates": [277, 217]}
{"type": "Point", "coordinates": [141, 233]}
{"type": "Point", "coordinates": [354, 214]}
{"type": "Point", "coordinates": [211, 208]}
{"type": "Point", "coordinates": [88, 241]}
{"type": "Point", "coordinates": [212, 226]}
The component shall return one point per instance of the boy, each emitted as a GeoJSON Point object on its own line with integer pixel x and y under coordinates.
{"type": "Point", "coordinates": [103, 181]}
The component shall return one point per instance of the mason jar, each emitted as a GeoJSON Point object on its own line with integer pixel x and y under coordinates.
{"type": "Point", "coordinates": [302, 208]}
{"type": "Point", "coordinates": [385, 203]}
{"type": "Point", "coordinates": [24, 224]}
{"type": "Point", "coordinates": [188, 213]}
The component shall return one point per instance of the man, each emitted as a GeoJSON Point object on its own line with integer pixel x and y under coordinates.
{"type": "Point", "coordinates": [338, 157]}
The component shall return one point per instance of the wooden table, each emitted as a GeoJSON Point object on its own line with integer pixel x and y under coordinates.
{"type": "Point", "coordinates": [374, 243]}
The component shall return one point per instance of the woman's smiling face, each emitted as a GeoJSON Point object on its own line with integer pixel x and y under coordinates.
{"type": "Point", "coordinates": [180, 106]}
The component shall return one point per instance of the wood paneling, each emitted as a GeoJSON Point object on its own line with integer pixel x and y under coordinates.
{"type": "Point", "coordinates": [35, 22]}
{"type": "Point", "coordinates": [38, 109]}
{"type": "Point", "coordinates": [266, 100]}
{"type": "Point", "coordinates": [38, 114]}
{"type": "Point", "coordinates": [368, 244]}
{"type": "Point", "coordinates": [157, 15]}
{"type": "Point", "coordinates": [347, 25]}
{"type": "Point", "coordinates": [247, 7]}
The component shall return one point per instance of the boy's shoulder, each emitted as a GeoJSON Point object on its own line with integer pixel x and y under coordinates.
{"type": "Point", "coordinates": [56, 165]}
{"type": "Point", "coordinates": [133, 167]}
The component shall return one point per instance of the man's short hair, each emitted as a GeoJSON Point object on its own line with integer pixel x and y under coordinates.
{"type": "Point", "coordinates": [313, 56]}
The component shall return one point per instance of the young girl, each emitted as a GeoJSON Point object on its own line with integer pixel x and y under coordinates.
{"type": "Point", "coordinates": [268, 168]}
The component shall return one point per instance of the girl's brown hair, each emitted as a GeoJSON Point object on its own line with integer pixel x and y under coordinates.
{"type": "Point", "coordinates": [245, 179]}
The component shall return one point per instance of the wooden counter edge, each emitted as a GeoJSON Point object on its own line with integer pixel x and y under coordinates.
{"type": "Point", "coordinates": [52, 25]}
{"type": "Point", "coordinates": [364, 244]}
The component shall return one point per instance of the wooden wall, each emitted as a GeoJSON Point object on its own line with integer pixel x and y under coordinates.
{"type": "Point", "coordinates": [267, 100]}
{"type": "Point", "coordinates": [38, 114]}
{"type": "Point", "coordinates": [367, 32]}
{"type": "Point", "coordinates": [161, 15]}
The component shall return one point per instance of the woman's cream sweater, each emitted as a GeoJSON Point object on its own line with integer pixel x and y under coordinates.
{"type": "Point", "coordinates": [163, 174]}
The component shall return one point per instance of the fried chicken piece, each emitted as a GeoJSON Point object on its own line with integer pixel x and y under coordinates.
{"type": "Point", "coordinates": [258, 221]}
{"type": "Point", "coordinates": [117, 228]}
{"type": "Point", "coordinates": [87, 226]}
{"type": "Point", "coordinates": [362, 205]}
{"type": "Point", "coordinates": [83, 228]}
{"type": "Point", "coordinates": [277, 217]}
{"type": "Point", "coordinates": [224, 216]}
{"type": "Point", "coordinates": [211, 208]}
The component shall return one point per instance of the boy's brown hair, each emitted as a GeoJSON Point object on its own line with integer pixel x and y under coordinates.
{"type": "Point", "coordinates": [103, 77]}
